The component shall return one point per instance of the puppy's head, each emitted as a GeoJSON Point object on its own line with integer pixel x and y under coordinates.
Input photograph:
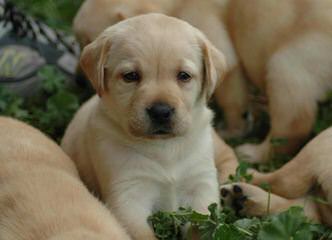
{"type": "Point", "coordinates": [154, 73]}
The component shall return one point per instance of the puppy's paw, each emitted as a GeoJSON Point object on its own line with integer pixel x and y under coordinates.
{"type": "Point", "coordinates": [252, 153]}
{"type": "Point", "coordinates": [245, 199]}
{"type": "Point", "coordinates": [232, 196]}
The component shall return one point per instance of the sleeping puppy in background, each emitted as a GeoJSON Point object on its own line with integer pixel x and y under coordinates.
{"type": "Point", "coordinates": [146, 141]}
{"type": "Point", "coordinates": [41, 195]}
{"type": "Point", "coordinates": [310, 172]}
{"type": "Point", "coordinates": [94, 16]}
{"type": "Point", "coordinates": [285, 48]}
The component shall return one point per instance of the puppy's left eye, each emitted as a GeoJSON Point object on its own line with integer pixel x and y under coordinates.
{"type": "Point", "coordinates": [184, 76]}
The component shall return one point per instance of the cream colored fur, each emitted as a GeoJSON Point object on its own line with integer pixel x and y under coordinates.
{"type": "Point", "coordinates": [285, 48]}
{"type": "Point", "coordinates": [41, 195]}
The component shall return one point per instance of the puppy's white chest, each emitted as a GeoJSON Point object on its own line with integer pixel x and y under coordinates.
{"type": "Point", "coordinates": [165, 180]}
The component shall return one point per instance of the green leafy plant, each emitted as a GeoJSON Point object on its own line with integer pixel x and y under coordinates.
{"type": "Point", "coordinates": [11, 105]}
{"type": "Point", "coordinates": [241, 174]}
{"type": "Point", "coordinates": [56, 13]}
{"type": "Point", "coordinates": [50, 109]}
{"type": "Point", "coordinates": [224, 225]}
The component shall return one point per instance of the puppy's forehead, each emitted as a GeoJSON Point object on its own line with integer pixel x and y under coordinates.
{"type": "Point", "coordinates": [155, 34]}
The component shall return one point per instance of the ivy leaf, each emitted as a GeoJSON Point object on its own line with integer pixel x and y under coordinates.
{"type": "Point", "coordinates": [227, 232]}
{"type": "Point", "coordinates": [241, 173]}
{"type": "Point", "coordinates": [290, 225]}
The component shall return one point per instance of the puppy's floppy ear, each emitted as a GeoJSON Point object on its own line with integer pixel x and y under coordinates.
{"type": "Point", "coordinates": [214, 66]}
{"type": "Point", "coordinates": [93, 60]}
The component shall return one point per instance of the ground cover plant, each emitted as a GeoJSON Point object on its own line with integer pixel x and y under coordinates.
{"type": "Point", "coordinates": [225, 225]}
{"type": "Point", "coordinates": [53, 106]}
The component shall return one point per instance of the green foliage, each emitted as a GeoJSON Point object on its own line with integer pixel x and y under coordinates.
{"type": "Point", "coordinates": [50, 109]}
{"type": "Point", "coordinates": [56, 13]}
{"type": "Point", "coordinates": [224, 225]}
{"type": "Point", "coordinates": [11, 105]}
{"type": "Point", "coordinates": [241, 174]}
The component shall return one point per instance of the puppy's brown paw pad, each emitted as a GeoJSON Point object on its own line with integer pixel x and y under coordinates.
{"type": "Point", "coordinates": [233, 196]}
{"type": "Point", "coordinates": [246, 199]}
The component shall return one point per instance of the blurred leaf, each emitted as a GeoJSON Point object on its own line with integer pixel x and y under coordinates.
{"type": "Point", "coordinates": [241, 174]}
{"type": "Point", "coordinates": [290, 225]}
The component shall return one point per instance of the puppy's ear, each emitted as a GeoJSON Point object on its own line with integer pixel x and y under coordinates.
{"type": "Point", "coordinates": [93, 60]}
{"type": "Point", "coordinates": [214, 66]}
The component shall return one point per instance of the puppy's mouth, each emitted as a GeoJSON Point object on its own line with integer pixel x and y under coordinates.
{"type": "Point", "coordinates": [153, 132]}
{"type": "Point", "coordinates": [161, 132]}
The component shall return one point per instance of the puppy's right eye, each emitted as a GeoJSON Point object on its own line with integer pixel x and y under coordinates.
{"type": "Point", "coordinates": [131, 77]}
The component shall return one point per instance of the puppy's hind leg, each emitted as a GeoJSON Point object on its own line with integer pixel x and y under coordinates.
{"type": "Point", "coordinates": [232, 96]}
{"type": "Point", "coordinates": [298, 76]}
{"type": "Point", "coordinates": [293, 180]}
{"type": "Point", "coordinates": [312, 166]}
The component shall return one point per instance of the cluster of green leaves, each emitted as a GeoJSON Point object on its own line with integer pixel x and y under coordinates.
{"type": "Point", "coordinates": [225, 225]}
{"type": "Point", "coordinates": [241, 173]}
{"type": "Point", "coordinates": [56, 13]}
{"type": "Point", "coordinates": [50, 109]}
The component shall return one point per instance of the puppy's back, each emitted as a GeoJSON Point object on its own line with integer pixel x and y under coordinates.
{"type": "Point", "coordinates": [22, 146]}
{"type": "Point", "coordinates": [41, 196]}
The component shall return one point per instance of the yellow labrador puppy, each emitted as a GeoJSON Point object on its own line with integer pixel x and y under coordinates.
{"type": "Point", "coordinates": [94, 16]}
{"type": "Point", "coordinates": [285, 48]}
{"type": "Point", "coordinates": [41, 195]}
{"type": "Point", "coordinates": [291, 184]}
{"type": "Point", "coordinates": [147, 139]}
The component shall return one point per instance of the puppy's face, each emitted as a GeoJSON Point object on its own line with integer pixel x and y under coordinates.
{"type": "Point", "coordinates": [154, 74]}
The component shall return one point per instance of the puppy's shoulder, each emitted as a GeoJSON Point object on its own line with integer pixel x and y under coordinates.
{"type": "Point", "coordinates": [80, 121]}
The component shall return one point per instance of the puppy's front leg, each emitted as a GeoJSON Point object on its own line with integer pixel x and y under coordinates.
{"type": "Point", "coordinates": [224, 158]}
{"type": "Point", "coordinates": [132, 208]}
{"type": "Point", "coordinates": [203, 193]}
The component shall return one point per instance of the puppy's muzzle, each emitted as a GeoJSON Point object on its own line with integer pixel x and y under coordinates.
{"type": "Point", "coordinates": [161, 115]}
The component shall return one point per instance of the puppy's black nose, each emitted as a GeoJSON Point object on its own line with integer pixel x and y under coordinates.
{"type": "Point", "coordinates": [160, 113]}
